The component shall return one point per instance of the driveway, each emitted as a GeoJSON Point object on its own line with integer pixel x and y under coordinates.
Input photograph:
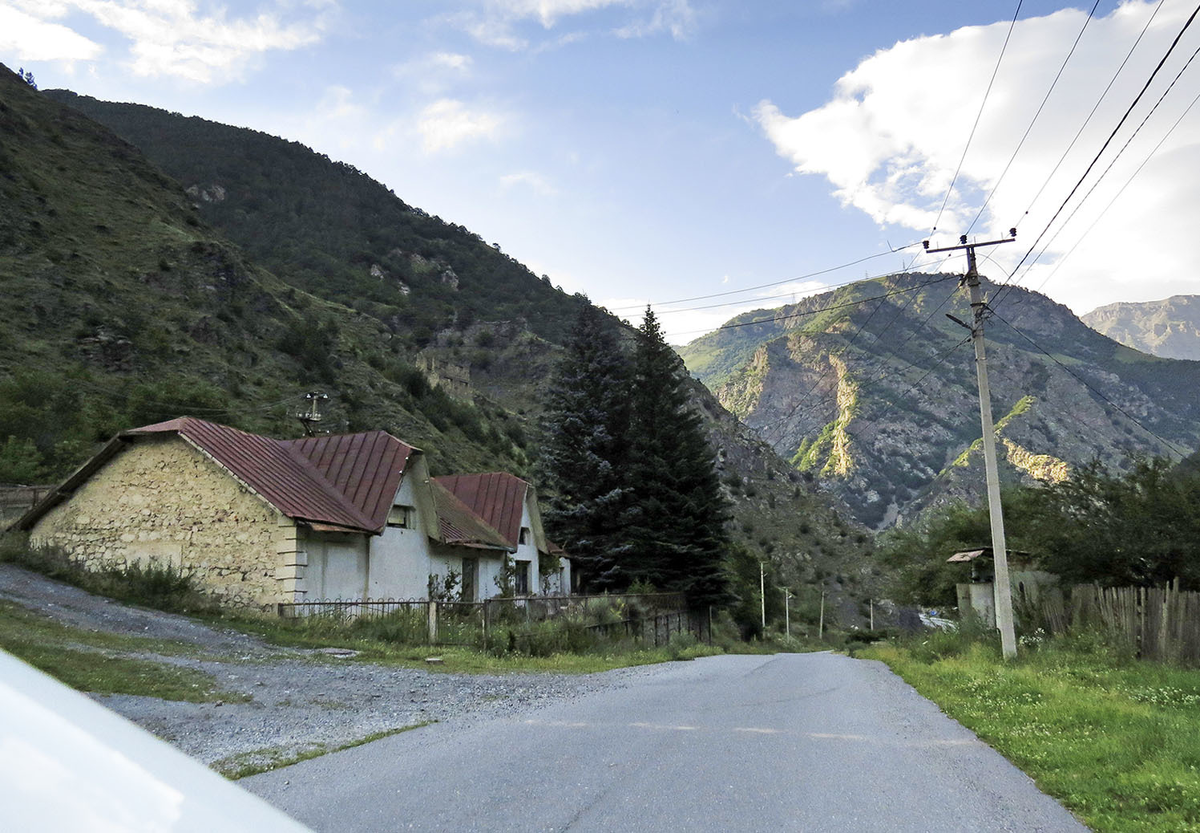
{"type": "Point", "coordinates": [810, 742]}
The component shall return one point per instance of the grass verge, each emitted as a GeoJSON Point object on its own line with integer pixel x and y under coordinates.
{"type": "Point", "coordinates": [245, 764]}
{"type": "Point", "coordinates": [93, 662]}
{"type": "Point", "coordinates": [1114, 739]}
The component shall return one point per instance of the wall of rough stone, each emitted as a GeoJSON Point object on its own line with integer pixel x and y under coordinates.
{"type": "Point", "coordinates": [162, 501]}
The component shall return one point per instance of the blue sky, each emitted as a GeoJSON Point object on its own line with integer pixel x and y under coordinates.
{"type": "Point", "coordinates": [647, 150]}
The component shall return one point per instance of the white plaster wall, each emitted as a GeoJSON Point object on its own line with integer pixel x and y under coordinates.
{"type": "Point", "coordinates": [529, 552]}
{"type": "Point", "coordinates": [337, 566]}
{"type": "Point", "coordinates": [400, 558]}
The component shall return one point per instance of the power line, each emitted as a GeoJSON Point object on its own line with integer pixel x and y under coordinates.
{"type": "Point", "coordinates": [1111, 136]}
{"type": "Point", "coordinates": [978, 115]}
{"type": "Point", "coordinates": [1170, 445]}
{"type": "Point", "coordinates": [790, 316]}
{"type": "Point", "coordinates": [804, 277]}
{"type": "Point", "coordinates": [1046, 98]}
{"type": "Point", "coordinates": [1095, 107]}
{"type": "Point", "coordinates": [1111, 163]}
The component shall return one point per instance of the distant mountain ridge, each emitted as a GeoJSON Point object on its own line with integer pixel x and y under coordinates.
{"type": "Point", "coordinates": [871, 390]}
{"type": "Point", "coordinates": [1169, 328]}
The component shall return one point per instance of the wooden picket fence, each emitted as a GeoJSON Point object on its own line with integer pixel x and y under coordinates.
{"type": "Point", "coordinates": [1158, 623]}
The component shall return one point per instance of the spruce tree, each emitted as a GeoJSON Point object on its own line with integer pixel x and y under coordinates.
{"type": "Point", "coordinates": [584, 451]}
{"type": "Point", "coordinates": [676, 519]}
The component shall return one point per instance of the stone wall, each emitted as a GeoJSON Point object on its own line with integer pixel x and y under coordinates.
{"type": "Point", "coordinates": [162, 501]}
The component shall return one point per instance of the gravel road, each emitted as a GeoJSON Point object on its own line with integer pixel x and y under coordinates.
{"type": "Point", "coordinates": [286, 701]}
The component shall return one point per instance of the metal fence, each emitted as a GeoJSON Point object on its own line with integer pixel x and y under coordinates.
{"type": "Point", "coordinates": [1158, 623]}
{"type": "Point", "coordinates": [643, 617]}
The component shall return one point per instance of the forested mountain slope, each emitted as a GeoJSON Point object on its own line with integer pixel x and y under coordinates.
{"type": "Point", "coordinates": [330, 229]}
{"type": "Point", "coordinates": [870, 389]}
{"type": "Point", "coordinates": [1169, 328]}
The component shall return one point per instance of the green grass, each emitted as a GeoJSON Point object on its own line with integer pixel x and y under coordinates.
{"type": "Point", "coordinates": [91, 661]}
{"type": "Point", "coordinates": [1114, 740]}
{"type": "Point", "coordinates": [245, 764]}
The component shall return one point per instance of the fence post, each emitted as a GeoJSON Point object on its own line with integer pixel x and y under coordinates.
{"type": "Point", "coordinates": [433, 622]}
{"type": "Point", "coordinates": [485, 624]}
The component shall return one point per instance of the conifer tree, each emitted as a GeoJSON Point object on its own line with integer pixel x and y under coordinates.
{"type": "Point", "coordinates": [676, 517]}
{"type": "Point", "coordinates": [584, 451]}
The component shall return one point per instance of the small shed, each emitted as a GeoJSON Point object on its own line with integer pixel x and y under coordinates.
{"type": "Point", "coordinates": [979, 594]}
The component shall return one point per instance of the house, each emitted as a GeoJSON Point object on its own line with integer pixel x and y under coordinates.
{"type": "Point", "coordinates": [979, 594]}
{"type": "Point", "coordinates": [509, 505]}
{"type": "Point", "coordinates": [259, 521]}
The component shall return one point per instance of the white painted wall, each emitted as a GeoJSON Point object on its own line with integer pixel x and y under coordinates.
{"type": "Point", "coordinates": [400, 558]}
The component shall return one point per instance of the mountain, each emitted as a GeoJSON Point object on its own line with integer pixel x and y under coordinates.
{"type": "Point", "coordinates": [327, 228]}
{"type": "Point", "coordinates": [1169, 328]}
{"type": "Point", "coordinates": [870, 390]}
{"type": "Point", "coordinates": [134, 297]}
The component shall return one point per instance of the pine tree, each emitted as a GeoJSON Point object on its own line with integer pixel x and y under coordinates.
{"type": "Point", "coordinates": [677, 515]}
{"type": "Point", "coordinates": [584, 451]}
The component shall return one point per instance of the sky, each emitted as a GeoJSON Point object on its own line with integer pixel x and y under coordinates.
{"type": "Point", "coordinates": [646, 151]}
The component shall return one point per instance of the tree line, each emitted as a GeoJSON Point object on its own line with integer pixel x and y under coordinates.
{"type": "Point", "coordinates": [630, 478]}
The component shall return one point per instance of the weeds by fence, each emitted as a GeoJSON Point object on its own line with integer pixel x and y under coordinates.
{"type": "Point", "coordinates": [530, 624]}
{"type": "Point", "coordinates": [1158, 623]}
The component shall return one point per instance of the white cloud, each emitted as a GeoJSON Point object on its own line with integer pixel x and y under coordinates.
{"type": "Point", "coordinates": [33, 38]}
{"type": "Point", "coordinates": [433, 73]}
{"type": "Point", "coordinates": [892, 135]}
{"type": "Point", "coordinates": [537, 183]}
{"type": "Point", "coordinates": [174, 37]}
{"type": "Point", "coordinates": [447, 123]}
{"type": "Point", "coordinates": [497, 25]}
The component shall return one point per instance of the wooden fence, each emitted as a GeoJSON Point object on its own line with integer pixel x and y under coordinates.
{"type": "Point", "coordinates": [1159, 623]}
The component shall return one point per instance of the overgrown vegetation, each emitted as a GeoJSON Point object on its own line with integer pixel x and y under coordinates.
{"type": "Point", "coordinates": [1139, 527]}
{"type": "Point", "coordinates": [153, 585]}
{"type": "Point", "coordinates": [1110, 737]}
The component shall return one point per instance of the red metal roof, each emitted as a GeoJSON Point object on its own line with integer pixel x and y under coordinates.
{"type": "Point", "coordinates": [497, 497]}
{"type": "Point", "coordinates": [365, 468]}
{"type": "Point", "coordinates": [333, 480]}
{"type": "Point", "coordinates": [457, 524]}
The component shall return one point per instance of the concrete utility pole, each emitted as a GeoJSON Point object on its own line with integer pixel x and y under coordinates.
{"type": "Point", "coordinates": [312, 417]}
{"type": "Point", "coordinates": [787, 611]}
{"type": "Point", "coordinates": [821, 623]}
{"type": "Point", "coordinates": [1002, 589]}
{"type": "Point", "coordinates": [762, 594]}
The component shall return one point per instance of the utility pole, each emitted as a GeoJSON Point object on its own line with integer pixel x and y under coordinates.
{"type": "Point", "coordinates": [312, 417]}
{"type": "Point", "coordinates": [1003, 586]}
{"type": "Point", "coordinates": [821, 624]}
{"type": "Point", "coordinates": [787, 611]}
{"type": "Point", "coordinates": [762, 594]}
{"type": "Point", "coordinates": [871, 602]}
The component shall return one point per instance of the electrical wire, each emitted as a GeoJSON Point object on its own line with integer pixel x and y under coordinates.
{"type": "Point", "coordinates": [1111, 136]}
{"type": "Point", "coordinates": [978, 115]}
{"type": "Point", "coordinates": [1171, 446]}
{"type": "Point", "coordinates": [1095, 107]}
{"type": "Point", "coordinates": [1041, 106]}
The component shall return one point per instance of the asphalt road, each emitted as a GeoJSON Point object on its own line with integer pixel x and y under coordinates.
{"type": "Point", "coordinates": [810, 742]}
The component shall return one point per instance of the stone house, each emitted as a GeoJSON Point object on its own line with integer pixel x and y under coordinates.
{"type": "Point", "coordinates": [259, 521]}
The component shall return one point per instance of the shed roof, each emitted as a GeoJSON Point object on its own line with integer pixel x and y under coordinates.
{"type": "Point", "coordinates": [497, 497]}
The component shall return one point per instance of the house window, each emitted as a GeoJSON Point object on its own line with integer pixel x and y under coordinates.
{"type": "Point", "coordinates": [526, 535]}
{"type": "Point", "coordinates": [470, 568]}
{"type": "Point", "coordinates": [401, 517]}
{"type": "Point", "coordinates": [521, 578]}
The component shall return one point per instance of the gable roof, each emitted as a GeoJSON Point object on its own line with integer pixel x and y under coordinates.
{"type": "Point", "coordinates": [458, 524]}
{"type": "Point", "coordinates": [335, 481]}
{"type": "Point", "coordinates": [498, 497]}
